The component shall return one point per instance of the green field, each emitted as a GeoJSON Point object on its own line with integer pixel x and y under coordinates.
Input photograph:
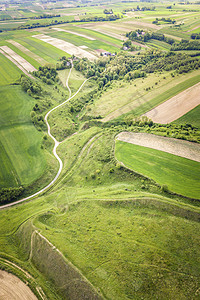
{"type": "Point", "coordinates": [192, 117]}
{"type": "Point", "coordinates": [5, 76]}
{"type": "Point", "coordinates": [102, 230]}
{"type": "Point", "coordinates": [50, 53]}
{"type": "Point", "coordinates": [181, 175]}
{"type": "Point", "coordinates": [23, 160]}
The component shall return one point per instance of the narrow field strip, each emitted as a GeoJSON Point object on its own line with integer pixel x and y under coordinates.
{"type": "Point", "coordinates": [176, 107]}
{"type": "Point", "coordinates": [28, 52]}
{"type": "Point", "coordinates": [20, 60]}
{"type": "Point", "coordinates": [16, 63]}
{"type": "Point", "coordinates": [65, 46]}
{"type": "Point", "coordinates": [75, 33]}
{"type": "Point", "coordinates": [170, 145]}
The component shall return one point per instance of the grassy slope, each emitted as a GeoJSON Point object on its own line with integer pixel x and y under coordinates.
{"type": "Point", "coordinates": [129, 250]}
{"type": "Point", "coordinates": [125, 97]}
{"type": "Point", "coordinates": [20, 141]}
{"type": "Point", "coordinates": [181, 175]}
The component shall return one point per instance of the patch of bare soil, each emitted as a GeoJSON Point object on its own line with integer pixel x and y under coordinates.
{"type": "Point", "coordinates": [20, 60]}
{"type": "Point", "coordinates": [170, 145]}
{"type": "Point", "coordinates": [28, 52]}
{"type": "Point", "coordinates": [144, 24]}
{"type": "Point", "coordinates": [16, 63]}
{"type": "Point", "coordinates": [176, 107]}
{"type": "Point", "coordinates": [12, 288]}
{"type": "Point", "coordinates": [75, 33]}
{"type": "Point", "coordinates": [193, 28]}
{"type": "Point", "coordinates": [65, 46]}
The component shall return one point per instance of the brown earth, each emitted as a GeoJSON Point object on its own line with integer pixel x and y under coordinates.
{"type": "Point", "coordinates": [28, 52]}
{"type": "Point", "coordinates": [16, 63]}
{"type": "Point", "coordinates": [12, 288]}
{"type": "Point", "coordinates": [65, 46]}
{"type": "Point", "coordinates": [20, 60]}
{"type": "Point", "coordinates": [170, 145]}
{"type": "Point", "coordinates": [176, 107]}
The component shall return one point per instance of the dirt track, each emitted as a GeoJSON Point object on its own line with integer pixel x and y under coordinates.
{"type": "Point", "coordinates": [170, 145]}
{"type": "Point", "coordinates": [176, 107]}
{"type": "Point", "coordinates": [12, 288]}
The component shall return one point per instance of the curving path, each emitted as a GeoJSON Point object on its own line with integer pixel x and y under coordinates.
{"type": "Point", "coordinates": [56, 143]}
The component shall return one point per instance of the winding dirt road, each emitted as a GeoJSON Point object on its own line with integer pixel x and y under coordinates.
{"type": "Point", "coordinates": [56, 143]}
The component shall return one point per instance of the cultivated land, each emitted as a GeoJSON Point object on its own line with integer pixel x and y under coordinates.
{"type": "Point", "coordinates": [162, 167]}
{"type": "Point", "coordinates": [107, 210]}
{"type": "Point", "coordinates": [177, 147]}
{"type": "Point", "coordinates": [65, 46]}
{"type": "Point", "coordinates": [176, 107]}
{"type": "Point", "coordinates": [12, 288]}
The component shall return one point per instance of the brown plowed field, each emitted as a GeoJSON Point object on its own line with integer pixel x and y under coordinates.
{"type": "Point", "coordinates": [176, 107]}
{"type": "Point", "coordinates": [170, 145]}
{"type": "Point", "coordinates": [12, 288]}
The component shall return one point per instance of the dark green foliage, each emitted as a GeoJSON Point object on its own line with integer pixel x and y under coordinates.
{"type": "Point", "coordinates": [47, 74]}
{"type": "Point", "coordinates": [29, 86]}
{"type": "Point", "coordinates": [142, 36]}
{"type": "Point", "coordinates": [65, 63]}
{"type": "Point", "coordinates": [10, 194]}
{"type": "Point", "coordinates": [186, 45]}
{"type": "Point", "coordinates": [168, 20]}
{"type": "Point", "coordinates": [195, 36]}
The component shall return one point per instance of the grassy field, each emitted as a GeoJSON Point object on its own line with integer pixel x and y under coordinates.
{"type": "Point", "coordinates": [31, 60]}
{"type": "Point", "coordinates": [23, 159]}
{"type": "Point", "coordinates": [181, 175]}
{"type": "Point", "coordinates": [124, 97]}
{"type": "Point", "coordinates": [49, 53]}
{"type": "Point", "coordinates": [118, 234]}
{"type": "Point", "coordinates": [192, 117]}
{"type": "Point", "coordinates": [81, 41]}
{"type": "Point", "coordinates": [5, 76]}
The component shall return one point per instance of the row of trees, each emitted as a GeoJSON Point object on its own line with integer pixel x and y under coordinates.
{"type": "Point", "coordinates": [57, 22]}
{"type": "Point", "coordinates": [166, 20]}
{"type": "Point", "coordinates": [125, 65]}
{"type": "Point", "coordinates": [9, 194]}
{"type": "Point", "coordinates": [186, 45]}
{"type": "Point", "coordinates": [140, 35]}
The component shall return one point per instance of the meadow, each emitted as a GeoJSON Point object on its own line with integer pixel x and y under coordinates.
{"type": "Point", "coordinates": [102, 230]}
{"type": "Point", "coordinates": [23, 159]}
{"type": "Point", "coordinates": [179, 174]}
{"type": "Point", "coordinates": [192, 117]}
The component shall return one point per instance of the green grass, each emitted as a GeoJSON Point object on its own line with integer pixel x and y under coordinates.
{"type": "Point", "coordinates": [5, 76]}
{"type": "Point", "coordinates": [134, 240]}
{"type": "Point", "coordinates": [181, 175]}
{"type": "Point", "coordinates": [32, 61]}
{"type": "Point", "coordinates": [192, 117]}
{"type": "Point", "coordinates": [167, 95]}
{"type": "Point", "coordinates": [23, 160]}
{"type": "Point", "coordinates": [48, 52]}
{"type": "Point", "coordinates": [80, 41]}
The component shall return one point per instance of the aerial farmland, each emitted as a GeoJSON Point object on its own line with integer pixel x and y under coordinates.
{"type": "Point", "coordinates": [100, 150]}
